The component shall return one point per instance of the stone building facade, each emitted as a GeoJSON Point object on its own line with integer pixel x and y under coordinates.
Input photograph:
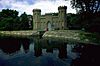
{"type": "Point", "coordinates": [50, 21]}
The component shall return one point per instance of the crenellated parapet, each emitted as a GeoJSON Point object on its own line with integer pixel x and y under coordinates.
{"type": "Point", "coordinates": [50, 21]}
{"type": "Point", "coordinates": [36, 10]}
{"type": "Point", "coordinates": [36, 19]}
{"type": "Point", "coordinates": [62, 7]}
{"type": "Point", "coordinates": [62, 11]}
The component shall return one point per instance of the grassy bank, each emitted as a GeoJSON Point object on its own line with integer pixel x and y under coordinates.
{"type": "Point", "coordinates": [74, 35]}
{"type": "Point", "coordinates": [17, 33]}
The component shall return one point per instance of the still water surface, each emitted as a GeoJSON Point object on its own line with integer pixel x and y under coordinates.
{"type": "Point", "coordinates": [42, 52]}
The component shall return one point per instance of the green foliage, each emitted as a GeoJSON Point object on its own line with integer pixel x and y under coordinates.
{"type": "Point", "coordinates": [90, 37]}
{"type": "Point", "coordinates": [73, 21]}
{"type": "Point", "coordinates": [24, 21]}
{"type": "Point", "coordinates": [6, 24]}
{"type": "Point", "coordinates": [9, 20]}
{"type": "Point", "coordinates": [8, 13]}
{"type": "Point", "coordinates": [91, 6]}
{"type": "Point", "coordinates": [89, 11]}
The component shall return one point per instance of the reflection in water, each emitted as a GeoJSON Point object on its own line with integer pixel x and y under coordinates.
{"type": "Point", "coordinates": [54, 54]}
{"type": "Point", "coordinates": [50, 46]}
{"type": "Point", "coordinates": [25, 43]}
{"type": "Point", "coordinates": [62, 51]}
{"type": "Point", "coordinates": [10, 46]}
{"type": "Point", "coordinates": [89, 55]}
{"type": "Point", "coordinates": [37, 48]}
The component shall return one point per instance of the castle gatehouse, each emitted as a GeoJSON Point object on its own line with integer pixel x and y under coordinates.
{"type": "Point", "coordinates": [50, 21]}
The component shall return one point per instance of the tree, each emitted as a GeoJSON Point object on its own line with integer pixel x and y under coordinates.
{"type": "Point", "coordinates": [91, 6]}
{"type": "Point", "coordinates": [8, 13]}
{"type": "Point", "coordinates": [24, 21]}
{"type": "Point", "coordinates": [89, 11]}
{"type": "Point", "coordinates": [8, 19]}
{"type": "Point", "coordinates": [73, 22]}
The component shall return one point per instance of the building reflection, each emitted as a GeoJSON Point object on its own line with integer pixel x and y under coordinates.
{"type": "Point", "coordinates": [89, 55]}
{"type": "Point", "coordinates": [37, 48]}
{"type": "Point", "coordinates": [25, 44]}
{"type": "Point", "coordinates": [62, 51]}
{"type": "Point", "coordinates": [50, 45]}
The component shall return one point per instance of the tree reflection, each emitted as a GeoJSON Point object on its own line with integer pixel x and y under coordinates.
{"type": "Point", "coordinates": [89, 55]}
{"type": "Point", "coordinates": [10, 45]}
{"type": "Point", "coordinates": [13, 45]}
{"type": "Point", "coordinates": [50, 45]}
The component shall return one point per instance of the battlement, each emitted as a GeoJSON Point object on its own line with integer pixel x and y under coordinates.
{"type": "Point", "coordinates": [36, 10]}
{"type": "Point", "coordinates": [48, 13]}
{"type": "Point", "coordinates": [53, 14]}
{"type": "Point", "coordinates": [50, 21]}
{"type": "Point", "coordinates": [62, 7]}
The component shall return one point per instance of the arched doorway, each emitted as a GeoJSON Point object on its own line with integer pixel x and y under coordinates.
{"type": "Point", "coordinates": [49, 25]}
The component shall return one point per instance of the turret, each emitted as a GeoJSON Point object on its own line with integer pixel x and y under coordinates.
{"type": "Point", "coordinates": [62, 17]}
{"type": "Point", "coordinates": [36, 19]}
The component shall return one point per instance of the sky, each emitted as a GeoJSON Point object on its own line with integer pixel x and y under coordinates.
{"type": "Point", "coordinates": [46, 6]}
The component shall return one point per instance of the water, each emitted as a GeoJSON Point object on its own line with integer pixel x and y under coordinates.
{"type": "Point", "coordinates": [42, 52]}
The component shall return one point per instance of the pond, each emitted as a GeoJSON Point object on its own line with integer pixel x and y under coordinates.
{"type": "Point", "coordinates": [46, 52]}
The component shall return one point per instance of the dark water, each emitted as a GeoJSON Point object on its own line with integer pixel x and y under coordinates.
{"type": "Point", "coordinates": [41, 52]}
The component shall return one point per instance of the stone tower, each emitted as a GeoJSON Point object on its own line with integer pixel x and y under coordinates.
{"type": "Point", "coordinates": [62, 17]}
{"type": "Point", "coordinates": [36, 19]}
{"type": "Point", "coordinates": [50, 21]}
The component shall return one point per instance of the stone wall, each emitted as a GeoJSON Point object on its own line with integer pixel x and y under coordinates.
{"type": "Point", "coordinates": [55, 20]}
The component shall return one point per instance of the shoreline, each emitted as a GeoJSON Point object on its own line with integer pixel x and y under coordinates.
{"type": "Point", "coordinates": [65, 35]}
{"type": "Point", "coordinates": [73, 36]}
{"type": "Point", "coordinates": [18, 33]}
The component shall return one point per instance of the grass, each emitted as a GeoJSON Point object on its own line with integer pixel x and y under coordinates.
{"type": "Point", "coordinates": [74, 35]}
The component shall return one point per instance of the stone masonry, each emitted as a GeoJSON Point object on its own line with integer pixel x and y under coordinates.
{"type": "Point", "coordinates": [50, 21]}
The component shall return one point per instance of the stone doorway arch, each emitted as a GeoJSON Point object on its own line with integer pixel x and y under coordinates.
{"type": "Point", "coordinates": [49, 26]}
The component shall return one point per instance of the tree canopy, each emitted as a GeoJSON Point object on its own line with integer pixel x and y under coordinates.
{"type": "Point", "coordinates": [91, 6]}
{"type": "Point", "coordinates": [89, 12]}
{"type": "Point", "coordinates": [9, 20]}
{"type": "Point", "coordinates": [24, 21]}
